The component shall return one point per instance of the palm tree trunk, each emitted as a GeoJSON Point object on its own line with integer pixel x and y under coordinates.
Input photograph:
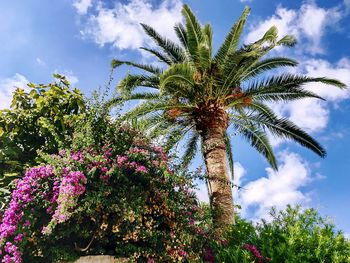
{"type": "Point", "coordinates": [220, 191]}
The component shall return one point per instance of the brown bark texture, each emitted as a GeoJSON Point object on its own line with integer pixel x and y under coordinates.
{"type": "Point", "coordinates": [212, 127]}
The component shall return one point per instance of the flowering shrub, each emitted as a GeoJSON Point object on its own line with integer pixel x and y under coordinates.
{"type": "Point", "coordinates": [121, 198]}
{"type": "Point", "coordinates": [15, 222]}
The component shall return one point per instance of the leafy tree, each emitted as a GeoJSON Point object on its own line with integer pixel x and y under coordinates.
{"type": "Point", "coordinates": [202, 96]}
{"type": "Point", "coordinates": [41, 119]}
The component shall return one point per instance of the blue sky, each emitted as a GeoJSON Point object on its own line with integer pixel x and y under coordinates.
{"type": "Point", "coordinates": [79, 38]}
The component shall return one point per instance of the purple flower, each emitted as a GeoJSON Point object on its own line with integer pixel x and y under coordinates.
{"type": "Point", "coordinates": [182, 253]}
{"type": "Point", "coordinates": [208, 255]}
{"type": "Point", "coordinates": [77, 156]}
{"type": "Point", "coordinates": [141, 169]}
{"type": "Point", "coordinates": [121, 160]}
{"type": "Point", "coordinates": [253, 250]}
{"type": "Point", "coordinates": [18, 238]}
{"type": "Point", "coordinates": [70, 188]}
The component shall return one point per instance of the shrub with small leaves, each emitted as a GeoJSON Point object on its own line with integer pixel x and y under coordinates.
{"type": "Point", "coordinates": [293, 235]}
{"type": "Point", "coordinates": [119, 197]}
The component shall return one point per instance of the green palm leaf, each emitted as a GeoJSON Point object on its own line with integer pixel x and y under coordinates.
{"type": "Point", "coordinates": [258, 140]}
{"type": "Point", "coordinates": [232, 39]}
{"type": "Point", "coordinates": [148, 68]}
{"type": "Point", "coordinates": [229, 154]}
{"type": "Point", "coordinates": [190, 149]}
{"type": "Point", "coordinates": [169, 47]}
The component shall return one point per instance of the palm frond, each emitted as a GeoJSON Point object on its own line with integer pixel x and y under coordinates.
{"type": "Point", "coordinates": [181, 34]}
{"type": "Point", "coordinates": [148, 68]}
{"type": "Point", "coordinates": [257, 139]}
{"type": "Point", "coordinates": [193, 31]}
{"type": "Point", "coordinates": [286, 129]}
{"type": "Point", "coordinates": [190, 150]}
{"type": "Point", "coordinates": [116, 101]}
{"type": "Point", "coordinates": [229, 153]}
{"type": "Point", "coordinates": [145, 108]}
{"type": "Point", "coordinates": [232, 39]}
{"type": "Point", "coordinates": [291, 80]}
{"type": "Point", "coordinates": [286, 87]}
{"type": "Point", "coordinates": [172, 49]}
{"type": "Point", "coordinates": [270, 36]}
{"type": "Point", "coordinates": [175, 133]}
{"type": "Point", "coordinates": [205, 49]}
{"type": "Point", "coordinates": [267, 64]}
{"type": "Point", "coordinates": [162, 57]}
{"type": "Point", "coordinates": [288, 40]}
{"type": "Point", "coordinates": [130, 82]}
{"type": "Point", "coordinates": [177, 74]}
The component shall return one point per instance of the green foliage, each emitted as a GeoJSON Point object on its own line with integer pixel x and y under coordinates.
{"type": "Point", "coordinates": [294, 235]}
{"type": "Point", "coordinates": [136, 204]}
{"type": "Point", "coordinates": [302, 236]}
{"type": "Point", "coordinates": [42, 119]}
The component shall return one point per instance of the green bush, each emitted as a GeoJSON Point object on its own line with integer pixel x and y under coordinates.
{"type": "Point", "coordinates": [294, 235]}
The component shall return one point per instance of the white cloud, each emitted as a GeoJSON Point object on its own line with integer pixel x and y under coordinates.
{"type": "Point", "coordinates": [8, 86]}
{"type": "Point", "coordinates": [308, 23]}
{"type": "Point", "coordinates": [277, 189]}
{"type": "Point", "coordinates": [40, 62]}
{"type": "Point", "coordinates": [82, 6]}
{"type": "Point", "coordinates": [120, 26]}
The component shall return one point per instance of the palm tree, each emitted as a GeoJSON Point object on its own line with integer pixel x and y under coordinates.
{"type": "Point", "coordinates": [201, 97]}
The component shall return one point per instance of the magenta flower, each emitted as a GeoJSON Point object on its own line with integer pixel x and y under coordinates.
{"type": "Point", "coordinates": [141, 169]}
{"type": "Point", "coordinates": [121, 160]}
{"type": "Point", "coordinates": [25, 191]}
{"type": "Point", "coordinates": [209, 255]}
{"type": "Point", "coordinates": [71, 187]}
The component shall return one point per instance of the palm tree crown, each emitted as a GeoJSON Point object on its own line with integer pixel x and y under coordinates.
{"type": "Point", "coordinates": [201, 95]}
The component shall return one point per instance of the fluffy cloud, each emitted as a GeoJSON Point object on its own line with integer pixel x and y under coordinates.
{"type": "Point", "coordinates": [120, 26]}
{"type": "Point", "coordinates": [82, 6]}
{"type": "Point", "coordinates": [8, 86]}
{"type": "Point", "coordinates": [277, 189]}
{"type": "Point", "coordinates": [308, 23]}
